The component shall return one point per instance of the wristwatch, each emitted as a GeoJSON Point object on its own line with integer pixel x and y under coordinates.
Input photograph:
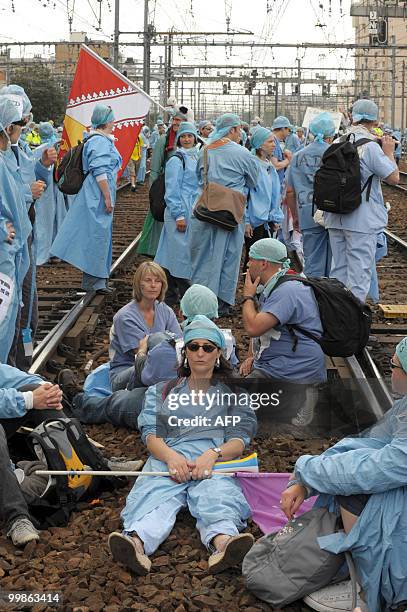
{"type": "Point", "coordinates": [217, 450]}
{"type": "Point", "coordinates": [248, 297]}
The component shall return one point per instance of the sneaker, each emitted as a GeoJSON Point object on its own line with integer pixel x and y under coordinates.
{"type": "Point", "coordinates": [333, 598]}
{"type": "Point", "coordinates": [69, 384]}
{"type": "Point", "coordinates": [124, 550]}
{"type": "Point", "coordinates": [133, 188]}
{"type": "Point", "coordinates": [234, 552]}
{"type": "Point", "coordinates": [122, 464]}
{"type": "Point", "coordinates": [22, 531]}
{"type": "Point", "coordinates": [305, 414]}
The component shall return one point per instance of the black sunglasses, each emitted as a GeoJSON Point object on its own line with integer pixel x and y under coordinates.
{"type": "Point", "coordinates": [194, 347]}
{"type": "Point", "coordinates": [21, 123]}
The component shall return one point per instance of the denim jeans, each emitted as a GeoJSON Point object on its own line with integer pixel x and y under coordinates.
{"type": "Point", "coordinates": [12, 502]}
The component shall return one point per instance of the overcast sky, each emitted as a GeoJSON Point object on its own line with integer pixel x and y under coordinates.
{"type": "Point", "coordinates": [285, 21]}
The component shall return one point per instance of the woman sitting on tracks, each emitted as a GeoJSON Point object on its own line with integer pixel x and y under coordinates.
{"type": "Point", "coordinates": [181, 187]}
{"type": "Point", "coordinates": [367, 477]}
{"type": "Point", "coordinates": [145, 314]}
{"type": "Point", "coordinates": [189, 453]}
{"type": "Point", "coordinates": [85, 237]}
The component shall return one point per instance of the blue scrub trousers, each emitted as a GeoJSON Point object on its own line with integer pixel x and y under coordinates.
{"type": "Point", "coordinates": [353, 259]}
{"type": "Point", "coordinates": [156, 526]}
{"type": "Point", "coordinates": [317, 251]}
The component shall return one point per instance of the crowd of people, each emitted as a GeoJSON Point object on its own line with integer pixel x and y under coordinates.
{"type": "Point", "coordinates": [229, 188]}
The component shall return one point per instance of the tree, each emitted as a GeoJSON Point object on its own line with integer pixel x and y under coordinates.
{"type": "Point", "coordinates": [47, 98]}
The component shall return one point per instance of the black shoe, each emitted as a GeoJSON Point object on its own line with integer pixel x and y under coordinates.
{"type": "Point", "coordinates": [68, 383]}
{"type": "Point", "coordinates": [133, 188]}
{"type": "Point", "coordinates": [105, 291]}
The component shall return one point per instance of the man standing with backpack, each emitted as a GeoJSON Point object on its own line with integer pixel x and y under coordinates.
{"type": "Point", "coordinates": [353, 232]}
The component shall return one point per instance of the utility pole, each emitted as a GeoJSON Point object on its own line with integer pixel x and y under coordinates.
{"type": "Point", "coordinates": [299, 91]}
{"type": "Point", "coordinates": [199, 93]}
{"type": "Point", "coordinates": [403, 87]}
{"type": "Point", "coordinates": [169, 68]}
{"type": "Point", "coordinates": [276, 99]}
{"type": "Point", "coordinates": [147, 51]}
{"type": "Point", "coordinates": [393, 81]}
{"type": "Point", "coordinates": [116, 34]}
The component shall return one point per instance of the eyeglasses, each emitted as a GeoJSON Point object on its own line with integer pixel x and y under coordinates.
{"type": "Point", "coordinates": [395, 365]}
{"type": "Point", "coordinates": [207, 348]}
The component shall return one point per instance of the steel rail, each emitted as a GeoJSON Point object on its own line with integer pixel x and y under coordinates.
{"type": "Point", "coordinates": [399, 241]}
{"type": "Point", "coordinates": [364, 386]}
{"type": "Point", "coordinates": [48, 345]}
{"type": "Point", "coordinates": [388, 399]}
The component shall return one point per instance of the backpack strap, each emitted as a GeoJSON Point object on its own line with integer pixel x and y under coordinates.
{"type": "Point", "coordinates": [181, 157]}
{"type": "Point", "coordinates": [292, 328]}
{"type": "Point", "coordinates": [368, 185]}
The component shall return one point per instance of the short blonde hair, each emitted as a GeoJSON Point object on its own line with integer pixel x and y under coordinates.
{"type": "Point", "coordinates": [145, 268]}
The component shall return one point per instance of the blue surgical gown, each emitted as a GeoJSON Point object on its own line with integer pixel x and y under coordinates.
{"type": "Point", "coordinates": [215, 253]}
{"type": "Point", "coordinates": [263, 202]}
{"type": "Point", "coordinates": [14, 257]}
{"type": "Point", "coordinates": [374, 464]}
{"type": "Point", "coordinates": [181, 187]}
{"type": "Point", "coordinates": [12, 404]}
{"type": "Point", "coordinates": [85, 237]}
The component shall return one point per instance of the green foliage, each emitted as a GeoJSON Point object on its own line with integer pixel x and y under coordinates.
{"type": "Point", "coordinates": [47, 98]}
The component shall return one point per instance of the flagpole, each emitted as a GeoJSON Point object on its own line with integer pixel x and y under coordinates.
{"type": "Point", "coordinates": [119, 74]}
{"type": "Point", "coordinates": [114, 473]}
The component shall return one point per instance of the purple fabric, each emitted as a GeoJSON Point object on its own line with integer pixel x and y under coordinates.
{"type": "Point", "coordinates": [263, 494]}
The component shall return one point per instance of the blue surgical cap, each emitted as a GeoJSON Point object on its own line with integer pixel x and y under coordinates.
{"type": "Point", "coordinates": [101, 114]}
{"type": "Point", "coordinates": [322, 127]}
{"type": "Point", "coordinates": [186, 128]}
{"type": "Point", "coordinates": [203, 123]}
{"type": "Point", "coordinates": [223, 125]}
{"type": "Point", "coordinates": [160, 122]}
{"type": "Point", "coordinates": [259, 136]}
{"type": "Point", "coordinates": [46, 130]}
{"type": "Point", "coordinates": [17, 90]}
{"type": "Point", "coordinates": [281, 122]}
{"type": "Point", "coordinates": [269, 249]}
{"type": "Point", "coordinates": [364, 109]}
{"type": "Point", "coordinates": [10, 111]}
{"type": "Point", "coordinates": [401, 352]}
{"type": "Point", "coordinates": [202, 327]}
{"type": "Point", "coordinates": [199, 299]}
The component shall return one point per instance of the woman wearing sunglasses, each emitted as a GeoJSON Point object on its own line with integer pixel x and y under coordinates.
{"type": "Point", "coordinates": [188, 452]}
{"type": "Point", "coordinates": [366, 477]}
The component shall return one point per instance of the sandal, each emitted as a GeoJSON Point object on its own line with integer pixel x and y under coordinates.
{"type": "Point", "coordinates": [234, 552]}
{"type": "Point", "coordinates": [124, 550]}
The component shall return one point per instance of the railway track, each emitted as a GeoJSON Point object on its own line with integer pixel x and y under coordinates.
{"type": "Point", "coordinates": [66, 312]}
{"type": "Point", "coordinates": [75, 558]}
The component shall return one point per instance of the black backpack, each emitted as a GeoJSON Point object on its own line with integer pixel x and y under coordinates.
{"type": "Point", "coordinates": [62, 444]}
{"type": "Point", "coordinates": [156, 194]}
{"type": "Point", "coordinates": [337, 187]}
{"type": "Point", "coordinates": [345, 319]}
{"type": "Point", "coordinates": [69, 174]}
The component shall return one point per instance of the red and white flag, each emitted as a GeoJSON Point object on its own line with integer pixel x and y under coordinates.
{"type": "Point", "coordinates": [96, 81]}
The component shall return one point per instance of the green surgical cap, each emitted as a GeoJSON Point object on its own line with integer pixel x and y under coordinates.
{"type": "Point", "coordinates": [101, 114]}
{"type": "Point", "coordinates": [401, 352]}
{"type": "Point", "coordinates": [202, 327]}
{"type": "Point", "coordinates": [269, 249]}
{"type": "Point", "coordinates": [199, 300]}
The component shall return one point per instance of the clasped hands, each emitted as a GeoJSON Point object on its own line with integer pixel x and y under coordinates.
{"type": "Point", "coordinates": [182, 469]}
